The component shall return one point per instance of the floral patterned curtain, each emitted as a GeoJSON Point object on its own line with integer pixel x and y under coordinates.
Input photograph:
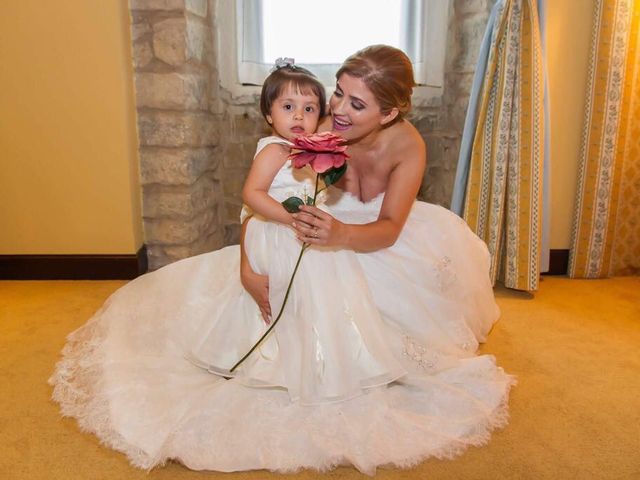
{"type": "Point", "coordinates": [503, 179]}
{"type": "Point", "coordinates": [606, 230]}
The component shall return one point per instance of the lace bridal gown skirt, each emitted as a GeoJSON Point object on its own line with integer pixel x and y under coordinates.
{"type": "Point", "coordinates": [372, 363]}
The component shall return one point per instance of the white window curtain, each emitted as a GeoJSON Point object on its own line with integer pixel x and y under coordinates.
{"type": "Point", "coordinates": [418, 27]}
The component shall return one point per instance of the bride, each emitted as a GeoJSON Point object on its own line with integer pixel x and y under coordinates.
{"type": "Point", "coordinates": [127, 377]}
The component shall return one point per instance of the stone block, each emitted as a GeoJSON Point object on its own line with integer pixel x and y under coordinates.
{"type": "Point", "coordinates": [239, 155]}
{"type": "Point", "coordinates": [168, 231]}
{"type": "Point", "coordinates": [458, 113]}
{"type": "Point", "coordinates": [197, 36]}
{"type": "Point", "coordinates": [459, 83]}
{"type": "Point", "coordinates": [249, 123]}
{"type": "Point", "coordinates": [469, 38]}
{"type": "Point", "coordinates": [170, 41]}
{"type": "Point", "coordinates": [179, 91]}
{"type": "Point", "coordinates": [217, 105]}
{"type": "Point", "coordinates": [197, 7]}
{"type": "Point", "coordinates": [210, 52]}
{"type": "Point", "coordinates": [427, 121]}
{"type": "Point", "coordinates": [162, 5]}
{"type": "Point", "coordinates": [139, 30]}
{"type": "Point", "coordinates": [142, 54]}
{"type": "Point", "coordinates": [442, 160]}
{"type": "Point", "coordinates": [156, 257]}
{"type": "Point", "coordinates": [232, 211]}
{"type": "Point", "coordinates": [171, 166]}
{"type": "Point", "coordinates": [177, 129]}
{"type": "Point", "coordinates": [431, 190]}
{"type": "Point", "coordinates": [210, 243]}
{"type": "Point", "coordinates": [232, 183]}
{"type": "Point", "coordinates": [178, 252]}
{"type": "Point", "coordinates": [181, 201]}
{"type": "Point", "coordinates": [232, 234]}
{"type": "Point", "coordinates": [465, 7]}
{"type": "Point", "coordinates": [437, 186]}
{"type": "Point", "coordinates": [178, 40]}
{"type": "Point", "coordinates": [442, 150]}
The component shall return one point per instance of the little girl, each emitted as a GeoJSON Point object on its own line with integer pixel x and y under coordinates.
{"type": "Point", "coordinates": [331, 315]}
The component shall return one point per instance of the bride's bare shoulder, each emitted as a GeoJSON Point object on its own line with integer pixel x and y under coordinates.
{"type": "Point", "coordinates": [404, 141]}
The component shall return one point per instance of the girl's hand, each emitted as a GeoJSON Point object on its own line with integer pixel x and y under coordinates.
{"type": "Point", "coordinates": [317, 227]}
{"type": "Point", "coordinates": [258, 287]}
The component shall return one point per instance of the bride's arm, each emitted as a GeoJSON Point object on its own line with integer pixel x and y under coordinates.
{"type": "Point", "coordinates": [403, 186]}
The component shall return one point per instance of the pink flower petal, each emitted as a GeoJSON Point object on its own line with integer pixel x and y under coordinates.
{"type": "Point", "coordinates": [319, 142]}
{"type": "Point", "coordinates": [301, 159]}
{"type": "Point", "coordinates": [339, 159]}
{"type": "Point", "coordinates": [323, 162]}
{"type": "Point", "coordinates": [323, 151]}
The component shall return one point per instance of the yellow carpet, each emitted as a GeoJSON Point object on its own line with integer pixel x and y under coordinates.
{"type": "Point", "coordinates": [575, 413]}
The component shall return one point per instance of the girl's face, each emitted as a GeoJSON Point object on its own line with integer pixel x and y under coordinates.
{"type": "Point", "coordinates": [354, 109]}
{"type": "Point", "coordinates": [294, 113]}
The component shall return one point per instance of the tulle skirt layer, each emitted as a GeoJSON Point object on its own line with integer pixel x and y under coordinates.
{"type": "Point", "coordinates": [372, 363]}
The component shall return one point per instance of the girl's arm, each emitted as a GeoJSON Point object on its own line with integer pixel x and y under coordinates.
{"type": "Point", "coordinates": [263, 170]}
{"type": "Point", "coordinates": [403, 186]}
{"type": "Point", "coordinates": [254, 193]}
{"type": "Point", "coordinates": [257, 285]}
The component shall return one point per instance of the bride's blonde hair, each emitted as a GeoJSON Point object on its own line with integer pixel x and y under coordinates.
{"type": "Point", "coordinates": [387, 72]}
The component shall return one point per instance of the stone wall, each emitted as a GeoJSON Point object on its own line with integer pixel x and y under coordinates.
{"type": "Point", "coordinates": [179, 133]}
{"type": "Point", "coordinates": [197, 141]}
{"type": "Point", "coordinates": [241, 127]}
{"type": "Point", "coordinates": [442, 127]}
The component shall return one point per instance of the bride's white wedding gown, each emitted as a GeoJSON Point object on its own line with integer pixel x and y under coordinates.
{"type": "Point", "coordinates": [371, 364]}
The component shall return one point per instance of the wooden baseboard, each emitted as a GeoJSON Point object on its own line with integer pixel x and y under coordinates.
{"type": "Point", "coordinates": [73, 267]}
{"type": "Point", "coordinates": [558, 262]}
{"type": "Point", "coordinates": [108, 267]}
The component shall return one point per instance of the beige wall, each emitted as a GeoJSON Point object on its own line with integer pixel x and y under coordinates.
{"type": "Point", "coordinates": [568, 42]}
{"type": "Point", "coordinates": [68, 146]}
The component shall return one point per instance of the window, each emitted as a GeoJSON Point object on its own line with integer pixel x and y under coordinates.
{"type": "Point", "coordinates": [313, 32]}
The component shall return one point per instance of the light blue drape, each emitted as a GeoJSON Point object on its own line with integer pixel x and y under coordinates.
{"type": "Point", "coordinates": [546, 169]}
{"type": "Point", "coordinates": [470, 123]}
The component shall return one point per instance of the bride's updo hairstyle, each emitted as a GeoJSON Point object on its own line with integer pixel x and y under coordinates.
{"type": "Point", "coordinates": [387, 72]}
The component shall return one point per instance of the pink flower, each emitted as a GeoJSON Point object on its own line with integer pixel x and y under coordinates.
{"type": "Point", "coordinates": [319, 142]}
{"type": "Point", "coordinates": [322, 151]}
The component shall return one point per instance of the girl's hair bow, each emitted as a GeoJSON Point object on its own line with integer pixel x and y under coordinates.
{"type": "Point", "coordinates": [283, 62]}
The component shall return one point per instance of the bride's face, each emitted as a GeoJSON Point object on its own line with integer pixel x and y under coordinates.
{"type": "Point", "coordinates": [355, 111]}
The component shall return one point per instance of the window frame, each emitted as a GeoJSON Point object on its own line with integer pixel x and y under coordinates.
{"type": "Point", "coordinates": [429, 72]}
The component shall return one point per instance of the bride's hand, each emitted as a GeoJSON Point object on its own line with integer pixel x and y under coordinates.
{"type": "Point", "coordinates": [258, 287]}
{"type": "Point", "coordinates": [317, 227]}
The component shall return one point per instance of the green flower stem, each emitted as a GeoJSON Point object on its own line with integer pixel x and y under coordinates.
{"type": "Point", "coordinates": [315, 193]}
{"type": "Point", "coordinates": [273, 324]}
{"type": "Point", "coordinates": [286, 295]}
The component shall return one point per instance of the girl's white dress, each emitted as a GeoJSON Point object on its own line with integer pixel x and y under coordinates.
{"type": "Point", "coordinates": [371, 364]}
